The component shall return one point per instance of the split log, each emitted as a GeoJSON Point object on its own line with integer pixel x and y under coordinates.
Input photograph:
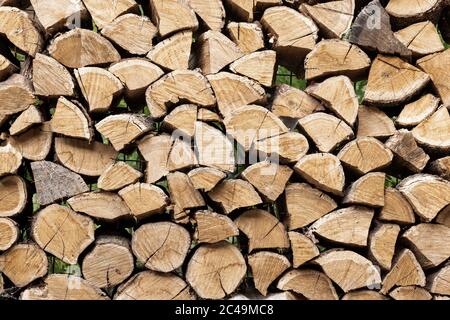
{"type": "Point", "coordinates": [10, 159]}
{"type": "Point", "coordinates": [16, 94]}
{"type": "Point", "coordinates": [421, 38]}
{"type": "Point", "coordinates": [365, 154]}
{"type": "Point", "coordinates": [439, 282]}
{"type": "Point", "coordinates": [233, 194]}
{"type": "Point", "coordinates": [172, 15]}
{"type": "Point", "coordinates": [396, 208]}
{"type": "Point", "coordinates": [405, 272]}
{"type": "Point", "coordinates": [426, 193]}
{"type": "Point", "coordinates": [9, 234]}
{"type": "Point", "coordinates": [372, 122]}
{"type": "Point", "coordinates": [173, 88]}
{"type": "Point", "coordinates": [324, 171]}
{"type": "Point", "coordinates": [144, 199]}
{"type": "Point", "coordinates": [263, 230]}
{"type": "Point", "coordinates": [105, 12]}
{"type": "Point", "coordinates": [17, 26]}
{"type": "Point", "coordinates": [207, 115]}
{"type": "Point", "coordinates": [259, 66]}
{"type": "Point", "coordinates": [182, 119]}
{"type": "Point", "coordinates": [206, 178]}
{"type": "Point", "coordinates": [71, 120]}
{"type": "Point", "coordinates": [291, 102]}
{"type": "Point", "coordinates": [182, 191]}
{"type": "Point", "coordinates": [54, 182]}
{"type": "Point", "coordinates": [216, 270]}
{"type": "Point", "coordinates": [416, 112]}
{"type": "Point", "coordinates": [404, 14]}
{"type": "Point", "coordinates": [149, 285]}
{"type": "Point", "coordinates": [382, 240]}
{"type": "Point", "coordinates": [286, 147]}
{"type": "Point", "coordinates": [233, 91]}
{"type": "Point", "coordinates": [444, 217]}
{"type": "Point", "coordinates": [211, 13]}
{"type": "Point", "coordinates": [349, 270]}
{"type": "Point", "coordinates": [213, 227]}
{"type": "Point", "coordinates": [326, 131]}
{"type": "Point", "coordinates": [266, 267]}
{"type": "Point", "coordinates": [81, 47]}
{"type": "Point", "coordinates": [181, 156]}
{"type": "Point", "coordinates": [367, 190]}
{"type": "Point", "coordinates": [101, 205]}
{"type": "Point", "coordinates": [303, 249]}
{"type": "Point", "coordinates": [99, 87]}
{"type": "Point", "coordinates": [410, 293]}
{"type": "Point", "coordinates": [174, 52]}
{"type": "Point", "coordinates": [84, 158]}
{"type": "Point", "coordinates": [7, 68]}
{"type": "Point", "coordinates": [157, 150]}
{"type": "Point", "coordinates": [62, 232]}
{"type": "Point", "coordinates": [117, 176]}
{"type": "Point", "coordinates": [336, 57]}
{"type": "Point", "coordinates": [13, 195]}
{"type": "Point", "coordinates": [366, 295]}
{"type": "Point", "coordinates": [26, 120]}
{"type": "Point", "coordinates": [51, 78]}
{"type": "Point", "coordinates": [248, 36]}
{"type": "Point", "coordinates": [311, 284]}
{"type": "Point", "coordinates": [434, 132]}
{"type": "Point", "coordinates": [35, 143]}
{"type": "Point", "coordinates": [247, 9]}
{"type": "Point", "coordinates": [161, 246]}
{"type": "Point", "coordinates": [441, 167]}
{"type": "Point", "coordinates": [338, 94]}
{"type": "Point", "coordinates": [131, 32]}
{"type": "Point", "coordinates": [23, 264]}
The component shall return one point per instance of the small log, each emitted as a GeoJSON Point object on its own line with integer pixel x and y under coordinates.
{"type": "Point", "coordinates": [382, 240]}
{"type": "Point", "coordinates": [324, 171]}
{"type": "Point", "coordinates": [259, 66]}
{"type": "Point", "coordinates": [157, 150]}
{"type": "Point", "coordinates": [117, 176]}
{"type": "Point", "coordinates": [54, 182]}
{"type": "Point", "coordinates": [71, 120]}
{"type": "Point", "coordinates": [35, 143]}
{"type": "Point", "coordinates": [181, 156]}
{"type": "Point", "coordinates": [182, 119]}
{"type": "Point", "coordinates": [405, 272]}
{"type": "Point", "coordinates": [10, 159]}
{"type": "Point", "coordinates": [212, 13]}
{"type": "Point", "coordinates": [372, 122]}
{"type": "Point", "coordinates": [206, 178]}
{"type": "Point", "coordinates": [174, 52]}
{"type": "Point", "coordinates": [326, 131]}
{"type": "Point", "coordinates": [173, 88]}
{"type": "Point", "coordinates": [246, 9]}
{"type": "Point", "coordinates": [365, 155]}
{"type": "Point", "coordinates": [444, 217]}
{"type": "Point", "coordinates": [441, 167]}
{"type": "Point", "coordinates": [207, 115]}
{"type": "Point", "coordinates": [396, 208]}
{"type": "Point", "coordinates": [7, 68]}
{"type": "Point", "coordinates": [311, 284]}
{"type": "Point", "coordinates": [266, 268]}
{"type": "Point", "coordinates": [9, 234]}
{"type": "Point", "coordinates": [293, 103]}
{"type": "Point", "coordinates": [213, 227]}
{"type": "Point", "coordinates": [365, 295]}
{"type": "Point", "coordinates": [367, 190]}
{"type": "Point", "coordinates": [13, 192]}
{"type": "Point", "coordinates": [434, 131]}
{"type": "Point", "coordinates": [410, 293]}
{"type": "Point", "coordinates": [51, 78]}
{"type": "Point", "coordinates": [144, 199]}
{"type": "Point", "coordinates": [421, 38]}
{"type": "Point", "coordinates": [150, 285]}
{"type": "Point", "coordinates": [349, 270]}
{"type": "Point", "coordinates": [263, 230]}
{"type": "Point", "coordinates": [248, 36]}
{"type": "Point", "coordinates": [91, 49]}
{"type": "Point", "coordinates": [287, 147]}
{"type": "Point", "coordinates": [26, 120]}
{"type": "Point", "coordinates": [233, 91]}
{"type": "Point", "coordinates": [23, 264]}
{"type": "Point", "coordinates": [84, 158]}
{"type": "Point", "coordinates": [105, 12]}
{"type": "Point", "coordinates": [172, 15]}
{"type": "Point", "coordinates": [101, 205]}
{"type": "Point", "coordinates": [336, 57]}
{"type": "Point", "coordinates": [303, 249]}
{"type": "Point", "coordinates": [416, 112]}
{"type": "Point", "coordinates": [182, 191]}
{"type": "Point", "coordinates": [233, 194]}
{"type": "Point", "coordinates": [404, 14]}
{"type": "Point", "coordinates": [161, 246]}
{"type": "Point", "coordinates": [426, 193]}
{"type": "Point", "coordinates": [216, 270]}
{"type": "Point", "coordinates": [18, 27]}
{"type": "Point", "coordinates": [439, 282]}
{"type": "Point", "coordinates": [99, 87]}
{"type": "Point", "coordinates": [62, 232]}
{"type": "Point", "coordinates": [16, 94]}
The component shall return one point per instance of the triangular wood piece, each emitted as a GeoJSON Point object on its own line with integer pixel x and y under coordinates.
{"type": "Point", "coordinates": [259, 66]}
{"type": "Point", "coordinates": [247, 9]}
{"type": "Point", "coordinates": [372, 122]}
{"type": "Point", "coordinates": [266, 267]}
{"type": "Point", "coordinates": [71, 120]}
{"type": "Point", "coordinates": [213, 227]}
{"type": "Point", "coordinates": [286, 147]}
{"type": "Point", "coordinates": [117, 176]}
{"type": "Point", "coordinates": [410, 293]}
{"type": "Point", "coordinates": [402, 13]}
{"type": "Point", "coordinates": [174, 52]}
{"type": "Point", "coordinates": [364, 295]}
{"type": "Point", "coordinates": [439, 282]}
{"type": "Point", "coordinates": [396, 208]}
{"type": "Point", "coordinates": [441, 167]}
{"type": "Point", "coordinates": [8, 236]}
{"type": "Point", "coordinates": [106, 206]}
{"type": "Point", "coordinates": [382, 241]}
{"type": "Point", "coordinates": [417, 111]}
{"type": "Point", "coordinates": [26, 120]}
{"type": "Point", "coordinates": [367, 190]}
{"type": "Point", "coordinates": [206, 178]}
{"type": "Point", "coordinates": [434, 132]}
{"type": "Point", "coordinates": [105, 12]}
{"type": "Point", "coordinates": [303, 248]}
{"type": "Point", "coordinates": [144, 199]}
{"type": "Point", "coordinates": [182, 191]}
{"type": "Point", "coordinates": [10, 159]}
{"type": "Point", "coordinates": [211, 12]}
{"type": "Point", "coordinates": [249, 37]}
{"type": "Point", "coordinates": [16, 94]}
{"type": "Point", "coordinates": [51, 78]}
{"type": "Point", "coordinates": [182, 119]}
{"type": "Point", "coordinates": [35, 143]}
{"type": "Point", "coordinates": [421, 38]}
{"type": "Point", "coordinates": [172, 15]}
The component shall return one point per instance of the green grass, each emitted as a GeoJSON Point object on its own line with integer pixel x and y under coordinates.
{"type": "Point", "coordinates": [360, 89]}
{"type": "Point", "coordinates": [391, 181]}
{"type": "Point", "coordinates": [284, 76]}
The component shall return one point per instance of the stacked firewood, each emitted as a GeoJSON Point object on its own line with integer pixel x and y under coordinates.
{"type": "Point", "coordinates": [148, 149]}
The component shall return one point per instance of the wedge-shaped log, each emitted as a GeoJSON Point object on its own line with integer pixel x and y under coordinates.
{"type": "Point", "coordinates": [35, 143]}
{"type": "Point", "coordinates": [417, 111]}
{"type": "Point", "coordinates": [16, 94]}
{"type": "Point", "coordinates": [286, 147]}
{"type": "Point", "coordinates": [117, 176]}
{"type": "Point", "coordinates": [434, 132]}
{"type": "Point", "coordinates": [10, 159]}
{"type": "Point", "coordinates": [441, 167]}
{"type": "Point", "coordinates": [9, 233]}
{"type": "Point", "coordinates": [174, 52]}
{"type": "Point", "coordinates": [367, 190]}
{"type": "Point", "coordinates": [144, 199]}
{"type": "Point", "coordinates": [182, 192]}
{"type": "Point", "coordinates": [259, 66]}
{"type": "Point", "coordinates": [439, 282]}
{"type": "Point", "coordinates": [13, 192]}
{"type": "Point", "coordinates": [290, 102]}
{"type": "Point", "coordinates": [206, 178]}
{"type": "Point", "coordinates": [382, 241]}
{"type": "Point", "coordinates": [303, 249]}
{"type": "Point", "coordinates": [71, 120]}
{"type": "Point", "coordinates": [410, 293]}
{"type": "Point", "coordinates": [26, 120]}
{"type": "Point", "coordinates": [172, 15]}
{"type": "Point", "coordinates": [266, 267]}
{"type": "Point", "coordinates": [101, 205]}
{"type": "Point", "coordinates": [51, 78]}
{"type": "Point", "coordinates": [105, 12]}
{"type": "Point", "coordinates": [248, 36]}
{"type": "Point", "coordinates": [372, 122]}
{"type": "Point", "coordinates": [421, 38]}
{"type": "Point", "coordinates": [212, 13]}
{"type": "Point", "coordinates": [396, 208]}
{"type": "Point", "coordinates": [213, 227]}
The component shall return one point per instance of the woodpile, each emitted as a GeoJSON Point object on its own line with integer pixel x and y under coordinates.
{"type": "Point", "coordinates": [195, 149]}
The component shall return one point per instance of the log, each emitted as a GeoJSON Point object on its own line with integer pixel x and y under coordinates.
{"type": "Point", "coordinates": [14, 195]}
{"type": "Point", "coordinates": [291, 102]}
{"type": "Point", "coordinates": [418, 111]}
{"type": "Point", "coordinates": [182, 120]}
{"type": "Point", "coordinates": [336, 57]}
{"type": "Point", "coordinates": [161, 246]}
{"type": "Point", "coordinates": [84, 158]}
{"type": "Point", "coordinates": [10, 159]}
{"type": "Point", "coordinates": [150, 285]}
{"type": "Point", "coordinates": [35, 143]}
{"type": "Point", "coordinates": [382, 241]}
{"type": "Point", "coordinates": [7, 68]}
{"type": "Point", "coordinates": [287, 148]}
{"type": "Point", "coordinates": [233, 194]}
{"type": "Point", "coordinates": [365, 154]}
{"type": "Point", "coordinates": [444, 217]}
{"type": "Point", "coordinates": [51, 78]}
{"type": "Point", "coordinates": [367, 190]}
{"type": "Point", "coordinates": [174, 52]}
{"type": "Point", "coordinates": [396, 208]}
{"type": "Point", "coordinates": [157, 150]}
{"type": "Point", "coordinates": [54, 182]}
{"type": "Point", "coordinates": [117, 176]}
{"type": "Point", "coordinates": [233, 91]}
{"type": "Point", "coordinates": [349, 270]}
{"type": "Point", "coordinates": [213, 227]}
{"type": "Point", "coordinates": [405, 272]}
{"type": "Point", "coordinates": [259, 66]}
{"type": "Point", "coordinates": [172, 89]}
{"type": "Point", "coordinates": [183, 193]}
{"type": "Point", "coordinates": [410, 293]}
{"type": "Point", "coordinates": [181, 156]}
{"type": "Point", "coordinates": [26, 120]}
{"type": "Point", "coordinates": [303, 249]}
{"type": "Point", "coordinates": [105, 206]}
{"type": "Point", "coordinates": [439, 281]}
{"type": "Point", "coordinates": [366, 295]}
{"type": "Point", "coordinates": [9, 234]}
{"type": "Point", "coordinates": [268, 178]}
{"type": "Point", "coordinates": [433, 133]}
{"type": "Point", "coordinates": [90, 49]}
{"type": "Point", "coordinates": [16, 94]}
{"type": "Point", "coordinates": [105, 12]}
{"type": "Point", "coordinates": [421, 38]}
{"type": "Point", "coordinates": [71, 120]}
{"type": "Point", "coordinates": [62, 232]}
{"type": "Point", "coordinates": [372, 122]}
{"type": "Point", "coordinates": [216, 270]}
{"type": "Point", "coordinates": [211, 13]}
{"type": "Point", "coordinates": [23, 263]}
{"type": "Point", "coordinates": [324, 171]}
{"type": "Point", "coordinates": [172, 15]}
{"type": "Point", "coordinates": [207, 115]}
{"type": "Point", "coordinates": [266, 268]}
{"type": "Point", "coordinates": [99, 87]}
{"type": "Point", "coordinates": [263, 230]}
{"type": "Point", "coordinates": [404, 14]}
{"type": "Point", "coordinates": [441, 167]}
{"type": "Point", "coordinates": [249, 37]}
{"type": "Point", "coordinates": [426, 193]}
{"type": "Point", "coordinates": [311, 284]}
{"type": "Point", "coordinates": [144, 199]}
{"type": "Point", "coordinates": [326, 131]}
{"type": "Point", "coordinates": [206, 178]}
